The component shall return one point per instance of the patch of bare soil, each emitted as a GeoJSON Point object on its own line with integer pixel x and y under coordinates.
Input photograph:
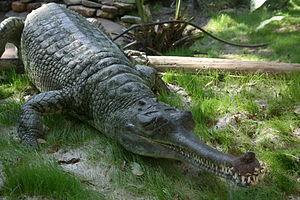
{"type": "Point", "coordinates": [96, 174]}
{"type": "Point", "coordinates": [230, 120]}
{"type": "Point", "coordinates": [187, 100]}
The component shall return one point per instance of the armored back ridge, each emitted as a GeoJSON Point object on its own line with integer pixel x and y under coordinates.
{"type": "Point", "coordinates": [79, 70]}
{"type": "Point", "coordinates": [60, 49]}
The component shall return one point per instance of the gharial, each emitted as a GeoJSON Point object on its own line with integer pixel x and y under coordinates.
{"type": "Point", "coordinates": [79, 70]}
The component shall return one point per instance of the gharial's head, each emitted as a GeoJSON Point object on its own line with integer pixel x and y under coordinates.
{"type": "Point", "coordinates": [158, 130]}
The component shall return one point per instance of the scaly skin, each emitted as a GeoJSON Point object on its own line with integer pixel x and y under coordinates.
{"type": "Point", "coordinates": [79, 70]}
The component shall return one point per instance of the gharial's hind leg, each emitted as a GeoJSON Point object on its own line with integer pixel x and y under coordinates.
{"type": "Point", "coordinates": [10, 31]}
{"type": "Point", "coordinates": [30, 123]}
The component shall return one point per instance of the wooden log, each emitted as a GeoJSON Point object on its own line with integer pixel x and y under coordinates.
{"type": "Point", "coordinates": [193, 64]}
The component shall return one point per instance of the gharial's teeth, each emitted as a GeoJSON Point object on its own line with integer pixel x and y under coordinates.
{"type": "Point", "coordinates": [243, 179]}
{"type": "Point", "coordinates": [227, 170]}
{"type": "Point", "coordinates": [249, 179]}
{"type": "Point", "coordinates": [254, 178]}
{"type": "Point", "coordinates": [235, 176]}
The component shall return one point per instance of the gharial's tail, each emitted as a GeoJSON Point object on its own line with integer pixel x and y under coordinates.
{"type": "Point", "coordinates": [10, 31]}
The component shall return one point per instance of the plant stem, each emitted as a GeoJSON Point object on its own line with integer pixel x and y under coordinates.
{"type": "Point", "coordinates": [177, 12]}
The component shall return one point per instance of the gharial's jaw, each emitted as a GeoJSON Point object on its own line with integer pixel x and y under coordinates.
{"type": "Point", "coordinates": [226, 170]}
{"type": "Point", "coordinates": [244, 170]}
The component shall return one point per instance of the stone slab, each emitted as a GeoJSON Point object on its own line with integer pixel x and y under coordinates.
{"type": "Point", "coordinates": [84, 11]}
{"type": "Point", "coordinates": [91, 4]}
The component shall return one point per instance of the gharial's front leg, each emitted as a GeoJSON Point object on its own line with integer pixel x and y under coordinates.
{"type": "Point", "coordinates": [153, 78]}
{"type": "Point", "coordinates": [30, 124]}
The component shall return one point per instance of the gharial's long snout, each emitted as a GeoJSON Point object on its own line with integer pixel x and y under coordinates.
{"type": "Point", "coordinates": [245, 170]}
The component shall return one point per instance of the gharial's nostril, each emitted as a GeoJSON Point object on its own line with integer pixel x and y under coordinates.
{"type": "Point", "coordinates": [249, 157]}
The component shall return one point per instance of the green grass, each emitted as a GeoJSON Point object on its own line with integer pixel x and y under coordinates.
{"type": "Point", "coordinates": [267, 132]}
{"type": "Point", "coordinates": [240, 27]}
{"type": "Point", "coordinates": [215, 94]}
{"type": "Point", "coordinates": [12, 84]}
{"type": "Point", "coordinates": [33, 174]}
{"type": "Point", "coordinates": [44, 179]}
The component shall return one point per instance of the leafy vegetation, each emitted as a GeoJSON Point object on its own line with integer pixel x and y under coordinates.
{"type": "Point", "coordinates": [242, 27]}
{"type": "Point", "coordinates": [44, 179]}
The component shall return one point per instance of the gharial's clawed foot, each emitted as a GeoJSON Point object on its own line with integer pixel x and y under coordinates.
{"type": "Point", "coordinates": [29, 141]}
{"type": "Point", "coordinates": [138, 57]}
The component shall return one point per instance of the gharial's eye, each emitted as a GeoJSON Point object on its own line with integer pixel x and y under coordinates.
{"type": "Point", "coordinates": [153, 123]}
{"type": "Point", "coordinates": [187, 120]}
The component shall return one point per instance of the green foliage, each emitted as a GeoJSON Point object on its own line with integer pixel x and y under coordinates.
{"type": "Point", "coordinates": [179, 52]}
{"type": "Point", "coordinates": [67, 131]}
{"type": "Point", "coordinates": [12, 83]}
{"type": "Point", "coordinates": [142, 10]}
{"type": "Point", "coordinates": [9, 113]}
{"type": "Point", "coordinates": [177, 10]}
{"type": "Point", "coordinates": [241, 27]}
{"type": "Point", "coordinates": [44, 179]}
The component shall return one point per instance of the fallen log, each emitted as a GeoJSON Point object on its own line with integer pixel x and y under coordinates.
{"type": "Point", "coordinates": [194, 64]}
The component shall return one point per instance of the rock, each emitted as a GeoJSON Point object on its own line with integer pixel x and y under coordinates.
{"type": "Point", "coordinates": [33, 6]}
{"type": "Point", "coordinates": [5, 6]}
{"type": "Point", "coordinates": [262, 104]}
{"type": "Point", "coordinates": [136, 169]}
{"type": "Point", "coordinates": [86, 12]}
{"type": "Point", "coordinates": [113, 27]}
{"type": "Point", "coordinates": [18, 6]}
{"type": "Point", "coordinates": [131, 19]}
{"type": "Point", "coordinates": [103, 14]}
{"type": "Point", "coordinates": [107, 2]}
{"type": "Point", "coordinates": [230, 119]}
{"type": "Point", "coordinates": [50, 1]}
{"type": "Point", "coordinates": [110, 9]}
{"type": "Point", "coordinates": [72, 2]}
{"type": "Point", "coordinates": [123, 7]}
{"type": "Point", "coordinates": [41, 141]}
{"type": "Point", "coordinates": [186, 99]}
{"type": "Point", "coordinates": [126, 1]}
{"type": "Point", "coordinates": [297, 110]}
{"type": "Point", "coordinates": [296, 133]}
{"type": "Point", "coordinates": [26, 1]}
{"type": "Point", "coordinates": [91, 4]}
